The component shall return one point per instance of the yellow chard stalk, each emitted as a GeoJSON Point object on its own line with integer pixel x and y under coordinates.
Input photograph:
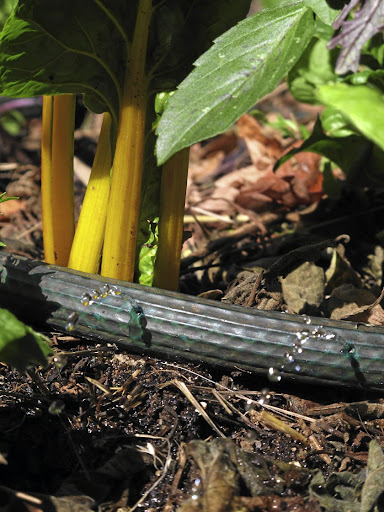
{"type": "Point", "coordinates": [89, 236]}
{"type": "Point", "coordinates": [123, 209]}
{"type": "Point", "coordinates": [57, 195]}
{"type": "Point", "coordinates": [171, 223]}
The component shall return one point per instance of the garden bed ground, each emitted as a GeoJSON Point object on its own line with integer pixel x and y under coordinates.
{"type": "Point", "coordinates": [100, 429]}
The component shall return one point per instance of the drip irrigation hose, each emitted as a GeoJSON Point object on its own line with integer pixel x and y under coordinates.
{"type": "Point", "coordinates": [176, 326]}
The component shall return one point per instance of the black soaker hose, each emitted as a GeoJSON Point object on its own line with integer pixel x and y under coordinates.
{"type": "Point", "coordinates": [173, 326]}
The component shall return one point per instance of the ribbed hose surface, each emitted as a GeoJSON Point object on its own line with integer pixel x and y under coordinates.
{"type": "Point", "coordinates": [172, 325]}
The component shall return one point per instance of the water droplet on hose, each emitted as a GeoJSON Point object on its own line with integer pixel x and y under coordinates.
{"type": "Point", "coordinates": [289, 357]}
{"type": "Point", "coordinates": [104, 290]}
{"type": "Point", "coordinates": [86, 299]}
{"type": "Point", "coordinates": [72, 320]}
{"type": "Point", "coordinates": [113, 290]}
{"type": "Point", "coordinates": [297, 348]}
{"type": "Point", "coordinates": [318, 332]}
{"type": "Point", "coordinates": [95, 294]}
{"type": "Point", "coordinates": [303, 335]}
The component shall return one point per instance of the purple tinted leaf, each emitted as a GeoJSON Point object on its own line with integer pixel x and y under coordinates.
{"type": "Point", "coordinates": [344, 13]}
{"type": "Point", "coordinates": [368, 21]}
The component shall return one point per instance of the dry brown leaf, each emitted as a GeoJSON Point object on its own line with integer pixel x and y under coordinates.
{"type": "Point", "coordinates": [226, 142]}
{"type": "Point", "coordinates": [251, 131]}
{"type": "Point", "coordinates": [9, 208]}
{"type": "Point", "coordinates": [303, 289]}
{"type": "Point", "coordinates": [350, 303]}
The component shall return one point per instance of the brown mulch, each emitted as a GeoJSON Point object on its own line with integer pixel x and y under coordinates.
{"type": "Point", "coordinates": [101, 429]}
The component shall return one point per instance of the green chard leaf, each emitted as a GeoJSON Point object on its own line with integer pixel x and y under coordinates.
{"type": "Point", "coordinates": [360, 159]}
{"type": "Point", "coordinates": [335, 124]}
{"type": "Point", "coordinates": [55, 47]}
{"type": "Point", "coordinates": [344, 152]}
{"type": "Point", "coordinates": [243, 65]}
{"type": "Point", "coordinates": [21, 346]}
{"type": "Point", "coordinates": [315, 67]}
{"type": "Point", "coordinates": [182, 30]}
{"type": "Point", "coordinates": [362, 105]}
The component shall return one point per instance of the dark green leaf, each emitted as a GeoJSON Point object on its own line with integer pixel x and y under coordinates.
{"type": "Point", "coordinates": [375, 48]}
{"type": "Point", "coordinates": [360, 159]}
{"type": "Point", "coordinates": [21, 346]}
{"type": "Point", "coordinates": [243, 65]}
{"type": "Point", "coordinates": [315, 67]}
{"type": "Point", "coordinates": [182, 30]}
{"type": "Point", "coordinates": [345, 152]}
{"type": "Point", "coordinates": [55, 46]}
{"type": "Point", "coordinates": [367, 77]}
{"type": "Point", "coordinates": [323, 10]}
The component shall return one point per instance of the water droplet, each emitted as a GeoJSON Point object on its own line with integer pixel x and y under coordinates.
{"type": "Point", "coordinates": [307, 319]}
{"type": "Point", "coordinates": [60, 361]}
{"type": "Point", "coordinates": [86, 299]}
{"type": "Point", "coordinates": [113, 290]}
{"type": "Point", "coordinates": [297, 348]}
{"type": "Point", "coordinates": [274, 375]}
{"type": "Point", "coordinates": [56, 407]}
{"type": "Point", "coordinates": [349, 350]}
{"type": "Point", "coordinates": [95, 294]}
{"type": "Point", "coordinates": [250, 405]}
{"type": "Point", "coordinates": [104, 290]}
{"type": "Point", "coordinates": [196, 489]}
{"type": "Point", "coordinates": [264, 397]}
{"type": "Point", "coordinates": [289, 357]}
{"type": "Point", "coordinates": [303, 335]}
{"type": "Point", "coordinates": [318, 332]}
{"type": "Point", "coordinates": [297, 368]}
{"type": "Point", "coordinates": [72, 320]}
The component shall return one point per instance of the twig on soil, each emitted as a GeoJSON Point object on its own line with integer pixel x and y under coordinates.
{"type": "Point", "coordinates": [166, 466]}
{"type": "Point", "coordinates": [30, 230]}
